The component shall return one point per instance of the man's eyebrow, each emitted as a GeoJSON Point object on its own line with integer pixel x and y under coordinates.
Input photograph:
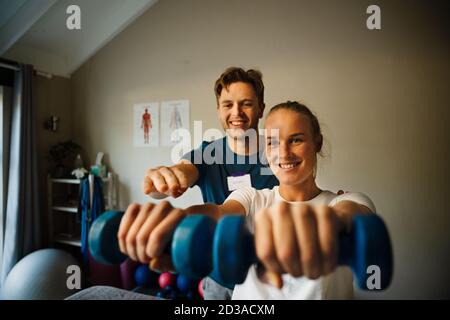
{"type": "Point", "coordinates": [243, 100]}
{"type": "Point", "coordinates": [297, 134]}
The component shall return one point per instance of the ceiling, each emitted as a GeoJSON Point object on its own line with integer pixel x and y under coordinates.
{"type": "Point", "coordinates": [35, 31]}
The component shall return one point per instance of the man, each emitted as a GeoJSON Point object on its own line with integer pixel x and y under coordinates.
{"type": "Point", "coordinates": [226, 164]}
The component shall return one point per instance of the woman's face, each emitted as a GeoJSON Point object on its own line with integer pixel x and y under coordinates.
{"type": "Point", "coordinates": [292, 152]}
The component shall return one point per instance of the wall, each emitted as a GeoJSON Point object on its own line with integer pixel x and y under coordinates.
{"type": "Point", "coordinates": [380, 95]}
{"type": "Point", "coordinates": [51, 97]}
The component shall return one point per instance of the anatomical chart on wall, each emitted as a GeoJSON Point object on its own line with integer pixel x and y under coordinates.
{"type": "Point", "coordinates": [146, 124]}
{"type": "Point", "coordinates": [174, 121]}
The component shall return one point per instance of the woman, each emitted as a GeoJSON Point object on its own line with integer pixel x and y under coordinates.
{"type": "Point", "coordinates": [296, 225]}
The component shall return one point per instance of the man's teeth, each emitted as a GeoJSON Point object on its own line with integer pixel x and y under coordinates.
{"type": "Point", "coordinates": [237, 123]}
{"type": "Point", "coordinates": [288, 165]}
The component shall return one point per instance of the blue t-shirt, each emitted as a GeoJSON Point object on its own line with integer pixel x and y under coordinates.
{"type": "Point", "coordinates": [215, 162]}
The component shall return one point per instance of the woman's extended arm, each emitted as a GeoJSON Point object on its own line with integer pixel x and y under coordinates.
{"type": "Point", "coordinates": [345, 210]}
{"type": "Point", "coordinates": [217, 211]}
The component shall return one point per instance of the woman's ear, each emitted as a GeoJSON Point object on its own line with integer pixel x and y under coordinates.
{"type": "Point", "coordinates": [319, 142]}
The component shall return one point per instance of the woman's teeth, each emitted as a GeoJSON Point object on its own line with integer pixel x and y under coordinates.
{"type": "Point", "coordinates": [288, 165]}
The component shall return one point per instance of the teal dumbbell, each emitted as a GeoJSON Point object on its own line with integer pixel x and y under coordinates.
{"type": "Point", "coordinates": [225, 251]}
{"type": "Point", "coordinates": [367, 245]}
{"type": "Point", "coordinates": [104, 246]}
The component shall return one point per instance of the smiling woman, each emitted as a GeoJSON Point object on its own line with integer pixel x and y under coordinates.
{"type": "Point", "coordinates": [292, 153]}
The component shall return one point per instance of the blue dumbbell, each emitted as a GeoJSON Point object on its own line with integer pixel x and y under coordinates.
{"type": "Point", "coordinates": [225, 251]}
{"type": "Point", "coordinates": [104, 246]}
{"type": "Point", "coordinates": [192, 242]}
{"type": "Point", "coordinates": [367, 244]}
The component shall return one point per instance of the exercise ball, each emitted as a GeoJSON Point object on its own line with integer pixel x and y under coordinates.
{"type": "Point", "coordinates": [167, 279]}
{"type": "Point", "coordinates": [184, 283]}
{"type": "Point", "coordinates": [200, 288]}
{"type": "Point", "coordinates": [41, 275]}
{"type": "Point", "coordinates": [144, 277]}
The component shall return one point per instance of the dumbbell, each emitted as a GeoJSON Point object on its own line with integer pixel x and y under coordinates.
{"type": "Point", "coordinates": [104, 246]}
{"type": "Point", "coordinates": [225, 251]}
{"type": "Point", "coordinates": [233, 252]}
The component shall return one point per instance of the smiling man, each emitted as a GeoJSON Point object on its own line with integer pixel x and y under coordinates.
{"type": "Point", "coordinates": [224, 165]}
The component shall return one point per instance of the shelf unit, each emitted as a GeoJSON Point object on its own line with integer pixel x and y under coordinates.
{"type": "Point", "coordinates": [63, 198]}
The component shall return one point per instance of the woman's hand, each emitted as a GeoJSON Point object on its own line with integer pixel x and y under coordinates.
{"type": "Point", "coordinates": [146, 230]}
{"type": "Point", "coordinates": [298, 239]}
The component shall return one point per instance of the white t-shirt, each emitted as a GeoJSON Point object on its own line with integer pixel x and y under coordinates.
{"type": "Point", "coordinates": [337, 285]}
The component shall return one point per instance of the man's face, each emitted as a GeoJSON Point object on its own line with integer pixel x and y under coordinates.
{"type": "Point", "coordinates": [239, 109]}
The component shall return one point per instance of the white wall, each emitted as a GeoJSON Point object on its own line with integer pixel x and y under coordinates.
{"type": "Point", "coordinates": [382, 97]}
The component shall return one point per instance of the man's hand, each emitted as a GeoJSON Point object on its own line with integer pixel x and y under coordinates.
{"type": "Point", "coordinates": [169, 181]}
{"type": "Point", "coordinates": [297, 239]}
{"type": "Point", "coordinates": [146, 230]}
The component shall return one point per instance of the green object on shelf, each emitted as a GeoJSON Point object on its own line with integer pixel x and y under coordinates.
{"type": "Point", "coordinates": [99, 170]}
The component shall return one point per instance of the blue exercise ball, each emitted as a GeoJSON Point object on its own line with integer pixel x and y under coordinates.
{"type": "Point", "coordinates": [42, 275]}
{"type": "Point", "coordinates": [184, 284]}
{"type": "Point", "coordinates": [145, 277]}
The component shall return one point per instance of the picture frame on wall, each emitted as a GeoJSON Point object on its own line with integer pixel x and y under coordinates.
{"type": "Point", "coordinates": [174, 120]}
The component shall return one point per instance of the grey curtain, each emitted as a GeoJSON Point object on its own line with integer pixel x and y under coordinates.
{"type": "Point", "coordinates": [21, 220]}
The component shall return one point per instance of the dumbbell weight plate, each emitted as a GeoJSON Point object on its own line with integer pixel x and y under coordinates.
{"type": "Point", "coordinates": [191, 247]}
{"type": "Point", "coordinates": [372, 249]}
{"type": "Point", "coordinates": [233, 251]}
{"type": "Point", "coordinates": [103, 243]}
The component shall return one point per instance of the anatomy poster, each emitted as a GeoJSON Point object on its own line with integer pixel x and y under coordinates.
{"type": "Point", "coordinates": [174, 116]}
{"type": "Point", "coordinates": [146, 124]}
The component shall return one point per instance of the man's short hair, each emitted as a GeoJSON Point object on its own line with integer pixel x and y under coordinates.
{"type": "Point", "coordinates": [235, 74]}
